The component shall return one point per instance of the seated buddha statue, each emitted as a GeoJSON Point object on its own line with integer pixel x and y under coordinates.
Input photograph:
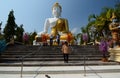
{"type": "Point", "coordinates": [57, 24]}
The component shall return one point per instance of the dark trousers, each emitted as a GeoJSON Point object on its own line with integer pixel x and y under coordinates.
{"type": "Point", "coordinates": [58, 41]}
{"type": "Point", "coordinates": [66, 56]}
{"type": "Point", "coordinates": [51, 42]}
{"type": "Point", "coordinates": [104, 55]}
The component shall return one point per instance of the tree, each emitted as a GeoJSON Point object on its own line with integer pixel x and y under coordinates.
{"type": "Point", "coordinates": [19, 33]}
{"type": "Point", "coordinates": [101, 22]}
{"type": "Point", "coordinates": [32, 37]}
{"type": "Point", "coordinates": [1, 37]}
{"type": "Point", "coordinates": [9, 30]}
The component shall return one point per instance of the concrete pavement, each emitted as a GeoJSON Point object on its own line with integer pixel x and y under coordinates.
{"type": "Point", "coordinates": [99, 71]}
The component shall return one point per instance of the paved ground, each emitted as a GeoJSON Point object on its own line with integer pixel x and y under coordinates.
{"type": "Point", "coordinates": [106, 71]}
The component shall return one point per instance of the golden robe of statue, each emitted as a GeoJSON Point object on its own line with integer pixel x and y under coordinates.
{"type": "Point", "coordinates": [61, 27]}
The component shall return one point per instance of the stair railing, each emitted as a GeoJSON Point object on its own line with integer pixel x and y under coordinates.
{"type": "Point", "coordinates": [22, 60]}
{"type": "Point", "coordinates": [84, 65]}
{"type": "Point", "coordinates": [85, 58]}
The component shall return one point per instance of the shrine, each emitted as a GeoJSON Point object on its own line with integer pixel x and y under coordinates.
{"type": "Point", "coordinates": [59, 26]}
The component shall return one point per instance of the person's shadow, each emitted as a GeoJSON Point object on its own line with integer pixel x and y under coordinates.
{"type": "Point", "coordinates": [47, 76]}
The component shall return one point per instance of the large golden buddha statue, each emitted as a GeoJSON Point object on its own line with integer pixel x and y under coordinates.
{"type": "Point", "coordinates": [57, 25]}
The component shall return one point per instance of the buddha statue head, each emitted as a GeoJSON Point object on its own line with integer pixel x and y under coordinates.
{"type": "Point", "coordinates": [56, 10]}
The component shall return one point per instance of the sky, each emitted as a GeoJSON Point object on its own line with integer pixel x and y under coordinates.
{"type": "Point", "coordinates": [32, 13]}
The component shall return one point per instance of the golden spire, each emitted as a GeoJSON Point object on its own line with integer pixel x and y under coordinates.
{"type": "Point", "coordinates": [113, 16]}
{"type": "Point", "coordinates": [57, 5]}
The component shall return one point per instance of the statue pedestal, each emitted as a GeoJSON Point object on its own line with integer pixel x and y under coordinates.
{"type": "Point", "coordinates": [45, 38]}
{"type": "Point", "coordinates": [114, 54]}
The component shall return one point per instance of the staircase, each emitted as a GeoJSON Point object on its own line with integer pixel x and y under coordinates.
{"type": "Point", "coordinates": [15, 55]}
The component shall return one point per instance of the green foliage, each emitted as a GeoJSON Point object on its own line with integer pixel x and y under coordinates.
{"type": "Point", "coordinates": [83, 29]}
{"type": "Point", "coordinates": [9, 30]}
{"type": "Point", "coordinates": [32, 37]}
{"type": "Point", "coordinates": [101, 22]}
{"type": "Point", "coordinates": [19, 33]}
{"type": "Point", "coordinates": [109, 14]}
{"type": "Point", "coordinates": [1, 37]}
{"type": "Point", "coordinates": [92, 17]}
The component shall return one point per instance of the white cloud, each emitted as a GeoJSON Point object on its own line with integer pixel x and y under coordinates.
{"type": "Point", "coordinates": [75, 30]}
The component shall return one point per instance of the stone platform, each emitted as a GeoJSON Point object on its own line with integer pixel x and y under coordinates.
{"type": "Point", "coordinates": [108, 71]}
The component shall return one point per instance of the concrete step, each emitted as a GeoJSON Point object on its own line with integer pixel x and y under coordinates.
{"type": "Point", "coordinates": [49, 54]}
{"type": "Point", "coordinates": [56, 63]}
{"type": "Point", "coordinates": [49, 59]}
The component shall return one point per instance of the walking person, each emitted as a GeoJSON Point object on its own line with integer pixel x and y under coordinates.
{"type": "Point", "coordinates": [51, 40]}
{"type": "Point", "coordinates": [58, 39]}
{"type": "Point", "coordinates": [65, 50]}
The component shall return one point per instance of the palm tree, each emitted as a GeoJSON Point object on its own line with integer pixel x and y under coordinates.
{"type": "Point", "coordinates": [101, 22]}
